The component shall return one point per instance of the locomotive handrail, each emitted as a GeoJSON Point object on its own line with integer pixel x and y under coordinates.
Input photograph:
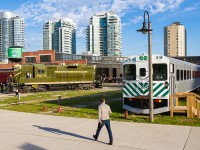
{"type": "Point", "coordinates": [17, 74]}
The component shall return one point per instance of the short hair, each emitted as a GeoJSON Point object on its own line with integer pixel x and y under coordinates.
{"type": "Point", "coordinates": [103, 99]}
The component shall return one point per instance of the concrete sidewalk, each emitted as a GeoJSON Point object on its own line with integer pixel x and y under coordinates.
{"type": "Point", "coordinates": [40, 132]}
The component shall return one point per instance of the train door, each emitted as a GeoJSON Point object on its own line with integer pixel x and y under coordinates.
{"type": "Point", "coordinates": [142, 72]}
{"type": "Point", "coordinates": [172, 81]}
{"type": "Point", "coordinates": [172, 88]}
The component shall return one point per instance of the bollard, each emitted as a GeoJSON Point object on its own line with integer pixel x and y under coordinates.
{"type": "Point", "coordinates": [59, 99]}
{"type": "Point", "coordinates": [126, 114]}
{"type": "Point", "coordinates": [44, 108]}
{"type": "Point", "coordinates": [19, 95]}
{"type": "Point", "coordinates": [59, 109]}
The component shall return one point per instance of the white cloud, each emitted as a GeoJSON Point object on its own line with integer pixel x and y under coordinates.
{"type": "Point", "coordinates": [81, 10]}
{"type": "Point", "coordinates": [190, 8]}
{"type": "Point", "coordinates": [154, 6]}
{"type": "Point", "coordinates": [137, 19]}
{"type": "Point", "coordinates": [123, 24]}
{"type": "Point", "coordinates": [78, 10]}
{"type": "Point", "coordinates": [158, 7]}
{"type": "Point", "coordinates": [37, 12]}
{"type": "Point", "coordinates": [193, 7]}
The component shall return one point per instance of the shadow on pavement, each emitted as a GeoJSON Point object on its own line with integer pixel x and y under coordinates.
{"type": "Point", "coordinates": [59, 132]}
{"type": "Point", "coordinates": [29, 146]}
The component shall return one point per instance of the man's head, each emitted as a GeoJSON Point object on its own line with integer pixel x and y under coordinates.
{"type": "Point", "coordinates": [103, 99]}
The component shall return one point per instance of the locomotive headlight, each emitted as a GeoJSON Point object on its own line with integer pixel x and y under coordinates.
{"type": "Point", "coordinates": [166, 85]}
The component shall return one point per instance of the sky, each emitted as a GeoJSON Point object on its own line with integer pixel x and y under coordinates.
{"type": "Point", "coordinates": [162, 13]}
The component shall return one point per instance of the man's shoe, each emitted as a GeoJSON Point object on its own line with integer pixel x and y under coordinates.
{"type": "Point", "coordinates": [111, 143]}
{"type": "Point", "coordinates": [95, 138]}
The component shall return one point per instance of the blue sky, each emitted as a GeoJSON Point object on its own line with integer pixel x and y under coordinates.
{"type": "Point", "coordinates": [162, 13]}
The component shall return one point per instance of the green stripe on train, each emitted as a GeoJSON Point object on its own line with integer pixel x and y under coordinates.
{"type": "Point", "coordinates": [139, 88]}
{"type": "Point", "coordinates": [159, 92]}
{"type": "Point", "coordinates": [157, 87]}
{"type": "Point", "coordinates": [130, 93]}
{"type": "Point", "coordinates": [165, 94]}
{"type": "Point", "coordinates": [124, 92]}
{"type": "Point", "coordinates": [133, 89]}
{"type": "Point", "coordinates": [129, 85]}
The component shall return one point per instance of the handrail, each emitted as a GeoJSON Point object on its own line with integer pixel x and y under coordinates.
{"type": "Point", "coordinates": [193, 102]}
{"type": "Point", "coordinates": [181, 94]}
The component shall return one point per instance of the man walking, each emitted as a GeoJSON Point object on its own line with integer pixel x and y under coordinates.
{"type": "Point", "coordinates": [104, 111]}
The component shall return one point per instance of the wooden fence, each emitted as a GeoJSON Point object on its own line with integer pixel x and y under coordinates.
{"type": "Point", "coordinates": [191, 108]}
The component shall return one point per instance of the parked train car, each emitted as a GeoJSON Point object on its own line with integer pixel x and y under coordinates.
{"type": "Point", "coordinates": [4, 75]}
{"type": "Point", "coordinates": [41, 77]}
{"type": "Point", "coordinates": [5, 78]}
{"type": "Point", "coordinates": [169, 76]}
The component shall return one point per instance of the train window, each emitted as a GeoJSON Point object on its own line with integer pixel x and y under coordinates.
{"type": "Point", "coordinates": [171, 68]}
{"type": "Point", "coordinates": [177, 75]}
{"type": "Point", "coordinates": [40, 71]}
{"type": "Point", "coordinates": [142, 72]}
{"type": "Point", "coordinates": [185, 75]}
{"type": "Point", "coordinates": [181, 74]}
{"type": "Point", "coordinates": [130, 72]}
{"type": "Point", "coordinates": [188, 75]}
{"type": "Point", "coordinates": [193, 74]}
{"type": "Point", "coordinates": [159, 71]}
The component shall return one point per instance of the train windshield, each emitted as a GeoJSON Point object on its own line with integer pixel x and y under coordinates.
{"type": "Point", "coordinates": [159, 72]}
{"type": "Point", "coordinates": [129, 72]}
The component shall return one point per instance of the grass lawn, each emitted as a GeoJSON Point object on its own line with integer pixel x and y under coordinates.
{"type": "Point", "coordinates": [83, 104]}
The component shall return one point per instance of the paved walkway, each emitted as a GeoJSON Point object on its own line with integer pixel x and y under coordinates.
{"type": "Point", "coordinates": [28, 131]}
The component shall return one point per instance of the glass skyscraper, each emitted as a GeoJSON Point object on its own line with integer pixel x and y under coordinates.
{"type": "Point", "coordinates": [60, 36]}
{"type": "Point", "coordinates": [103, 35]}
{"type": "Point", "coordinates": [11, 33]}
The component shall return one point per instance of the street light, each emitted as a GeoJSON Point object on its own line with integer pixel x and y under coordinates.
{"type": "Point", "coordinates": [148, 30]}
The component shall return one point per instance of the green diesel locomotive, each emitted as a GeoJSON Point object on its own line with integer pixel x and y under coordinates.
{"type": "Point", "coordinates": [40, 77]}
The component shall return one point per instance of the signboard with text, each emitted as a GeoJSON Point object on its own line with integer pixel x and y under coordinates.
{"type": "Point", "coordinates": [15, 52]}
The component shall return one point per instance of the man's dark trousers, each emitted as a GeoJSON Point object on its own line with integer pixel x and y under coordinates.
{"type": "Point", "coordinates": [107, 124]}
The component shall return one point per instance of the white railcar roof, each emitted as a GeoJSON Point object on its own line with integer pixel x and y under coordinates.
{"type": "Point", "coordinates": [156, 59]}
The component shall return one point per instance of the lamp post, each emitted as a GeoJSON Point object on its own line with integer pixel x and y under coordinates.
{"type": "Point", "coordinates": [148, 30]}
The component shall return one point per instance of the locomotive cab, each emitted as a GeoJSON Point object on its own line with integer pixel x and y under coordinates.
{"type": "Point", "coordinates": [39, 71]}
